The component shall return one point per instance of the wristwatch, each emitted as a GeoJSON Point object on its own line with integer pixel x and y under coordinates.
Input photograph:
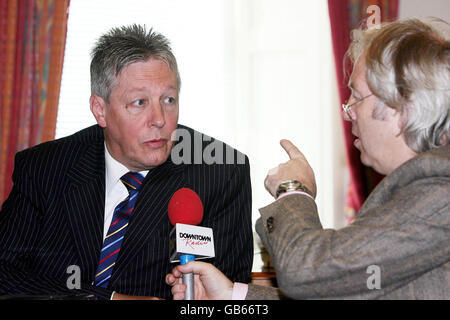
{"type": "Point", "coordinates": [292, 185]}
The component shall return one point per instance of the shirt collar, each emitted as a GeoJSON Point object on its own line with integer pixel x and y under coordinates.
{"type": "Point", "coordinates": [114, 170]}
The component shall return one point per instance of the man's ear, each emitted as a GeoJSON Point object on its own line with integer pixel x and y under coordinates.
{"type": "Point", "coordinates": [401, 119]}
{"type": "Point", "coordinates": [98, 109]}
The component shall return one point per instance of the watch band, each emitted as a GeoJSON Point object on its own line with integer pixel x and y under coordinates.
{"type": "Point", "coordinates": [292, 185]}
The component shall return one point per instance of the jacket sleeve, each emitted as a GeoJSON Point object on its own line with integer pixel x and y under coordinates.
{"type": "Point", "coordinates": [20, 228]}
{"type": "Point", "coordinates": [398, 241]}
{"type": "Point", "coordinates": [256, 292]}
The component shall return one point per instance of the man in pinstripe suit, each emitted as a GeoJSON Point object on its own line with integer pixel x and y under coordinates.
{"type": "Point", "coordinates": [65, 191]}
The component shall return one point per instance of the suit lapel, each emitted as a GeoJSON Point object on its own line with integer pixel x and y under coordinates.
{"type": "Point", "coordinates": [84, 202]}
{"type": "Point", "coordinates": [150, 212]}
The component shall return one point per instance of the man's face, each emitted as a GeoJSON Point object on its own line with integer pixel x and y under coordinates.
{"type": "Point", "coordinates": [379, 140]}
{"type": "Point", "coordinates": [141, 114]}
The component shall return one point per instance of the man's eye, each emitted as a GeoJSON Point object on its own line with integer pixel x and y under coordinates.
{"type": "Point", "coordinates": [169, 100]}
{"type": "Point", "coordinates": [138, 103]}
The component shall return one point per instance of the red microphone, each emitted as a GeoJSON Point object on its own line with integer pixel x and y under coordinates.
{"type": "Point", "coordinates": [187, 240]}
{"type": "Point", "coordinates": [185, 207]}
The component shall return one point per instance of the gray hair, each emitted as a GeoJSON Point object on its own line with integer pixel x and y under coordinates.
{"type": "Point", "coordinates": [408, 69]}
{"type": "Point", "coordinates": [123, 46]}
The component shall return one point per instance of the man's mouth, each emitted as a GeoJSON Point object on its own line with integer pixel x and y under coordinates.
{"type": "Point", "coordinates": [156, 143]}
{"type": "Point", "coordinates": [357, 141]}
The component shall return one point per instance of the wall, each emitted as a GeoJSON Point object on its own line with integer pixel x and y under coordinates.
{"type": "Point", "coordinates": [421, 8]}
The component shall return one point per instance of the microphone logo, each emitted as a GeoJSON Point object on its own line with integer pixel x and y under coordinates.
{"type": "Point", "coordinates": [193, 240]}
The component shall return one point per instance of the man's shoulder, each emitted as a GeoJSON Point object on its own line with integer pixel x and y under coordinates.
{"type": "Point", "coordinates": [434, 163]}
{"type": "Point", "coordinates": [440, 155]}
{"type": "Point", "coordinates": [63, 150]}
{"type": "Point", "coordinates": [83, 137]}
{"type": "Point", "coordinates": [194, 147]}
{"type": "Point", "coordinates": [421, 179]}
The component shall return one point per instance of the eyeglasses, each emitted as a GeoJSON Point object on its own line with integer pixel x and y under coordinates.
{"type": "Point", "coordinates": [347, 108]}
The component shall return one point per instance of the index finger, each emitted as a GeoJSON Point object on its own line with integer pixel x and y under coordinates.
{"type": "Point", "coordinates": [291, 149]}
{"type": "Point", "coordinates": [171, 279]}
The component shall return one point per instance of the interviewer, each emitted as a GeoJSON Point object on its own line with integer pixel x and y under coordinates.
{"type": "Point", "coordinates": [399, 110]}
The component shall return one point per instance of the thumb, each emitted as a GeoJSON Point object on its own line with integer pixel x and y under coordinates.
{"type": "Point", "coordinates": [291, 149]}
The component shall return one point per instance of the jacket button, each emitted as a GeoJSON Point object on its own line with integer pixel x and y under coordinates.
{"type": "Point", "coordinates": [269, 224]}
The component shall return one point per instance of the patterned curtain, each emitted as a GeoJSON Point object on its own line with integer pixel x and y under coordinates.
{"type": "Point", "coordinates": [346, 15]}
{"type": "Point", "coordinates": [32, 41]}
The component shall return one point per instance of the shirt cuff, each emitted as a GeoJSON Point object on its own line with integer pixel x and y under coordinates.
{"type": "Point", "coordinates": [239, 291]}
{"type": "Point", "coordinates": [289, 192]}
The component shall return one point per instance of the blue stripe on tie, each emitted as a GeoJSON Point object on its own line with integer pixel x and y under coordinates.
{"type": "Point", "coordinates": [109, 245]}
{"type": "Point", "coordinates": [99, 283]}
{"type": "Point", "coordinates": [133, 196]}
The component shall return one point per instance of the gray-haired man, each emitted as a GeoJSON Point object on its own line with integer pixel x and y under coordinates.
{"type": "Point", "coordinates": [71, 195]}
{"type": "Point", "coordinates": [398, 247]}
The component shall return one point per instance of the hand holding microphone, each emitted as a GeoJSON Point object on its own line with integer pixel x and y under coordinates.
{"type": "Point", "coordinates": [210, 282]}
{"type": "Point", "coordinates": [188, 241]}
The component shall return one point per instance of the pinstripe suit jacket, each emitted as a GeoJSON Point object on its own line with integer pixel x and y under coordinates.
{"type": "Point", "coordinates": [403, 229]}
{"type": "Point", "coordinates": [54, 216]}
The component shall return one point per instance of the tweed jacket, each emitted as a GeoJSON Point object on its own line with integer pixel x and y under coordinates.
{"type": "Point", "coordinates": [398, 247]}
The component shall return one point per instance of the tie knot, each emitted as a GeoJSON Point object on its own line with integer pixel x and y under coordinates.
{"type": "Point", "coordinates": [132, 180]}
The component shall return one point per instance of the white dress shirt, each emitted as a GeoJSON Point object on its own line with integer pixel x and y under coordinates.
{"type": "Point", "coordinates": [115, 190]}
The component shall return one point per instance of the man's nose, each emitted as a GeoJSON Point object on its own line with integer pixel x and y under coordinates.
{"type": "Point", "coordinates": [346, 116]}
{"type": "Point", "coordinates": [157, 116]}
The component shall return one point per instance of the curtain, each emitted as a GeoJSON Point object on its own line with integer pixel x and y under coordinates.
{"type": "Point", "coordinates": [346, 15]}
{"type": "Point", "coordinates": [32, 41]}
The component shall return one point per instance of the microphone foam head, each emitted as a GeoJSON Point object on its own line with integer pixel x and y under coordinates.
{"type": "Point", "coordinates": [185, 207]}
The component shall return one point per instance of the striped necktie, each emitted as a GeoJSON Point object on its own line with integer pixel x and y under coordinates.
{"type": "Point", "coordinates": [117, 229]}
